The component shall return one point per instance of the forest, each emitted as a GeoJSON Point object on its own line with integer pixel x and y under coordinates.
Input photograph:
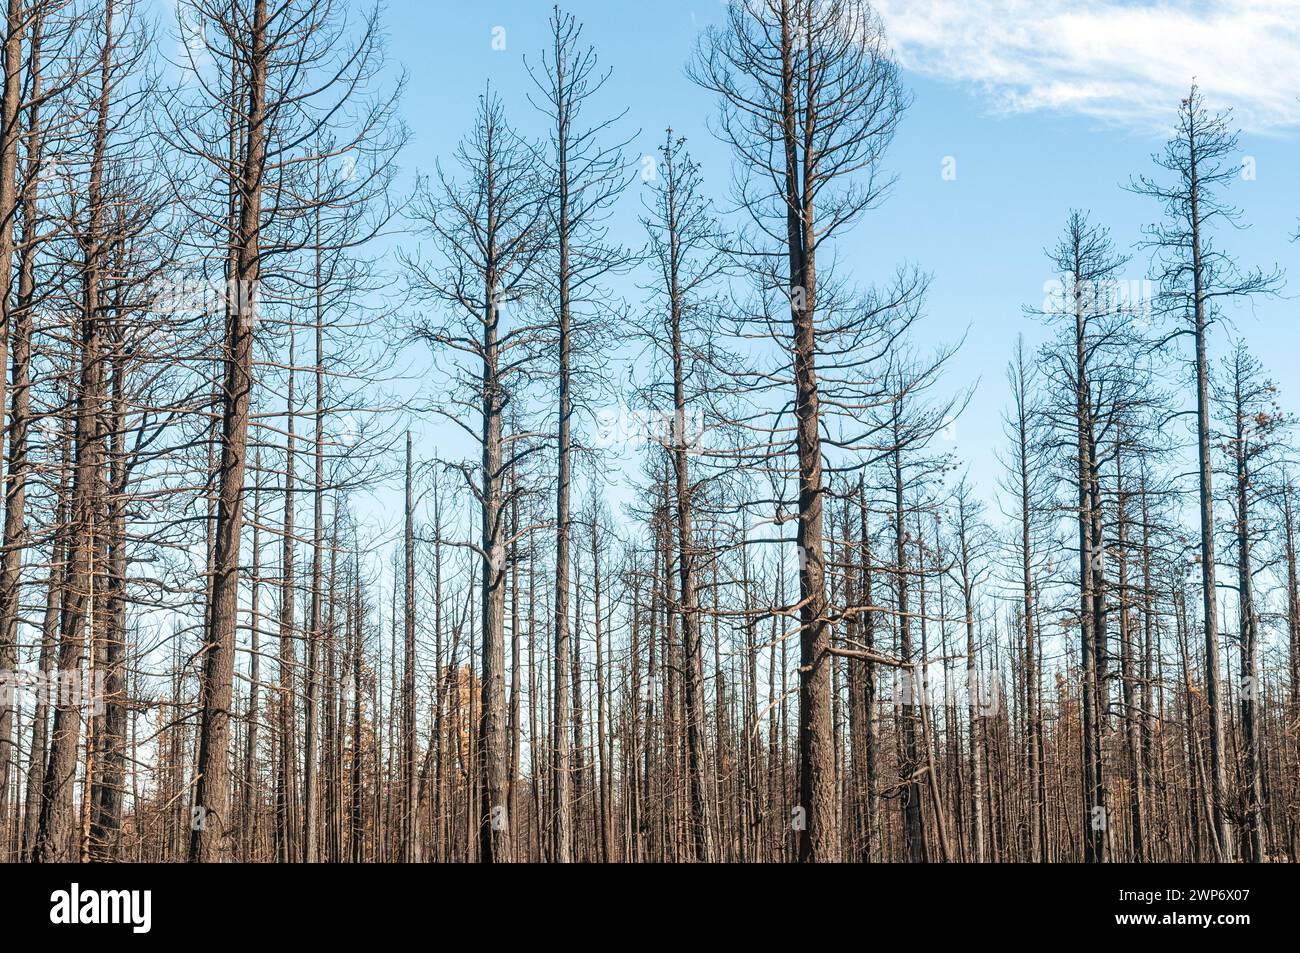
{"type": "Point", "coordinates": [354, 517]}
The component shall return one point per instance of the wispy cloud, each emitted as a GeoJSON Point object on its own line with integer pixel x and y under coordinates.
{"type": "Point", "coordinates": [1122, 61]}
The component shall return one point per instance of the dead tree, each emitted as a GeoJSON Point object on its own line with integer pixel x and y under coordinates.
{"type": "Point", "coordinates": [488, 230]}
{"type": "Point", "coordinates": [1024, 481]}
{"type": "Point", "coordinates": [1251, 428]}
{"type": "Point", "coordinates": [1196, 278]}
{"type": "Point", "coordinates": [682, 332]}
{"type": "Point", "coordinates": [292, 67]}
{"type": "Point", "coordinates": [583, 179]}
{"type": "Point", "coordinates": [809, 101]}
{"type": "Point", "coordinates": [53, 840]}
{"type": "Point", "coordinates": [1091, 361]}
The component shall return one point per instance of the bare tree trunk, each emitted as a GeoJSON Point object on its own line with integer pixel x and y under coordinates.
{"type": "Point", "coordinates": [974, 682]}
{"type": "Point", "coordinates": [310, 755]}
{"type": "Point", "coordinates": [495, 828]}
{"type": "Point", "coordinates": [53, 841]}
{"type": "Point", "coordinates": [59, 549]}
{"type": "Point", "coordinates": [1250, 425]}
{"type": "Point", "coordinates": [820, 841]}
{"type": "Point", "coordinates": [407, 826]}
{"type": "Point", "coordinates": [603, 766]}
{"type": "Point", "coordinates": [287, 828]}
{"type": "Point", "coordinates": [1224, 835]}
{"type": "Point", "coordinates": [701, 836]}
{"type": "Point", "coordinates": [866, 596]}
{"type": "Point", "coordinates": [13, 321]}
{"type": "Point", "coordinates": [1094, 793]}
{"type": "Point", "coordinates": [562, 808]}
{"type": "Point", "coordinates": [1132, 729]}
{"type": "Point", "coordinates": [1019, 424]}
{"type": "Point", "coordinates": [356, 650]}
{"type": "Point", "coordinates": [515, 731]}
{"type": "Point", "coordinates": [909, 768]}
{"type": "Point", "coordinates": [105, 831]}
{"type": "Point", "coordinates": [209, 839]}
{"type": "Point", "coordinates": [252, 795]}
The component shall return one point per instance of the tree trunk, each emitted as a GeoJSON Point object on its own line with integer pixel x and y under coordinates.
{"type": "Point", "coordinates": [54, 838]}
{"type": "Point", "coordinates": [209, 839]}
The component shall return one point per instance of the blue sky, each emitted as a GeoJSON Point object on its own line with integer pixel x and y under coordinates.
{"type": "Point", "coordinates": [1041, 108]}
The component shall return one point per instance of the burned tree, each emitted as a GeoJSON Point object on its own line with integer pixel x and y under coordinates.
{"type": "Point", "coordinates": [489, 231]}
{"type": "Point", "coordinates": [809, 101]}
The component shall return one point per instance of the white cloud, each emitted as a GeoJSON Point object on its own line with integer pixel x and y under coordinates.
{"type": "Point", "coordinates": [1122, 61]}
